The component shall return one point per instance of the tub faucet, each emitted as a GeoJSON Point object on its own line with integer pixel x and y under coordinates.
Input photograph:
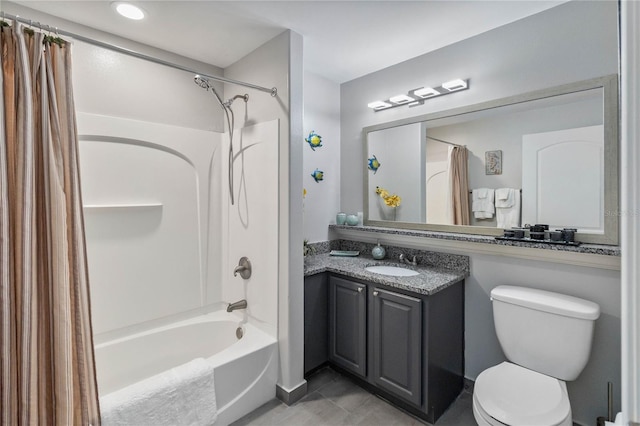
{"type": "Point", "coordinates": [242, 304]}
{"type": "Point", "coordinates": [405, 259]}
{"type": "Point", "coordinates": [244, 268]}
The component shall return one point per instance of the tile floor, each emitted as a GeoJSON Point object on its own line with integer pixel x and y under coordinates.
{"type": "Point", "coordinates": [334, 400]}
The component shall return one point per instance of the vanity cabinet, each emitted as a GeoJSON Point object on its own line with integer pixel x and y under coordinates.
{"type": "Point", "coordinates": [348, 325]}
{"type": "Point", "coordinates": [316, 322]}
{"type": "Point", "coordinates": [405, 346]}
{"type": "Point", "coordinates": [396, 333]}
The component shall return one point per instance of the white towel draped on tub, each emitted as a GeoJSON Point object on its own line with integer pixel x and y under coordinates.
{"type": "Point", "coordinates": [507, 207]}
{"type": "Point", "coordinates": [184, 395]}
{"type": "Point", "coordinates": [482, 203]}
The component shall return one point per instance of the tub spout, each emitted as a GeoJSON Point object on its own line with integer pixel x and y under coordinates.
{"type": "Point", "coordinates": [242, 304]}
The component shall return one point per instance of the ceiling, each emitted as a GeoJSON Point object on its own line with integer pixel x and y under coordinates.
{"type": "Point", "coordinates": [343, 40]}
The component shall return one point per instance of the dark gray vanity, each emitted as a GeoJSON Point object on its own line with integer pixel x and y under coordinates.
{"type": "Point", "coordinates": [400, 337]}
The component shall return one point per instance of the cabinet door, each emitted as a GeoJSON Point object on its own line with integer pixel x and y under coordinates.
{"type": "Point", "coordinates": [316, 324]}
{"type": "Point", "coordinates": [397, 344]}
{"type": "Point", "coordinates": [347, 324]}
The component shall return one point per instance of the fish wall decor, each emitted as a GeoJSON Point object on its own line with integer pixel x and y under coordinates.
{"type": "Point", "coordinates": [317, 175]}
{"type": "Point", "coordinates": [314, 140]}
{"type": "Point", "coordinates": [374, 164]}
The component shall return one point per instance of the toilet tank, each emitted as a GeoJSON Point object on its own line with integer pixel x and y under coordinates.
{"type": "Point", "coordinates": [547, 332]}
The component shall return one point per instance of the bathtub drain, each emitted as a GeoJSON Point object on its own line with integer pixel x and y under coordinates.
{"type": "Point", "coordinates": [239, 333]}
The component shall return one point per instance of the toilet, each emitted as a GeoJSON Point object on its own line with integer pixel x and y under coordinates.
{"type": "Point", "coordinates": [546, 338]}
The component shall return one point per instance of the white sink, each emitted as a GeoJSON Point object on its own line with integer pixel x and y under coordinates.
{"type": "Point", "coordinates": [394, 271]}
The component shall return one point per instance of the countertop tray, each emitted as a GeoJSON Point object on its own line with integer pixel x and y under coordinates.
{"type": "Point", "coordinates": [344, 253]}
{"type": "Point", "coordinates": [531, 240]}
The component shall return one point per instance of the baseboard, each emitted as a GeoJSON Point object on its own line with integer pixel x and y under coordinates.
{"type": "Point", "coordinates": [468, 385]}
{"type": "Point", "coordinates": [292, 396]}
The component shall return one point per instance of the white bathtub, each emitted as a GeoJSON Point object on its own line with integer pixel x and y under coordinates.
{"type": "Point", "coordinates": [245, 370]}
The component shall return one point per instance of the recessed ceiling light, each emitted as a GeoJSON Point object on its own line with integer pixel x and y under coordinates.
{"type": "Point", "coordinates": [129, 10]}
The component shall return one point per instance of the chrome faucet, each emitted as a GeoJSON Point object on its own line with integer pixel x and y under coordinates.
{"type": "Point", "coordinates": [405, 259]}
{"type": "Point", "coordinates": [242, 304]}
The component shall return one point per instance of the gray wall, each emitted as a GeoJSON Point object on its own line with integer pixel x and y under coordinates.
{"type": "Point", "coordinates": [322, 115]}
{"type": "Point", "coordinates": [572, 42]}
{"type": "Point", "coordinates": [401, 154]}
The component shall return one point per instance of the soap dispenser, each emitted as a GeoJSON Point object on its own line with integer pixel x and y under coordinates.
{"type": "Point", "coordinates": [378, 252]}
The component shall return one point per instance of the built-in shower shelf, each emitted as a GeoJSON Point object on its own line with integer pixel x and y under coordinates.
{"type": "Point", "coordinates": [121, 207]}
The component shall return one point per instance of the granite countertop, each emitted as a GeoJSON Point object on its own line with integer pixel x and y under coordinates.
{"type": "Point", "coordinates": [430, 280]}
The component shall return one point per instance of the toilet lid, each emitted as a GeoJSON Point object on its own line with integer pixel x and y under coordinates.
{"type": "Point", "coordinates": [515, 395]}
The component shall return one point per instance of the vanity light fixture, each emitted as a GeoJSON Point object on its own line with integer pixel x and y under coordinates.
{"type": "Point", "coordinates": [129, 10]}
{"type": "Point", "coordinates": [377, 105]}
{"type": "Point", "coordinates": [454, 85]}
{"type": "Point", "coordinates": [401, 99]}
{"type": "Point", "coordinates": [417, 97]}
{"type": "Point", "coordinates": [426, 92]}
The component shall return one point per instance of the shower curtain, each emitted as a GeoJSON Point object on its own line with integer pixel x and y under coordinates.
{"type": "Point", "coordinates": [47, 374]}
{"type": "Point", "coordinates": [459, 185]}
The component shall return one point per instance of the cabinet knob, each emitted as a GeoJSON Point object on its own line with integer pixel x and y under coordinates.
{"type": "Point", "coordinates": [375, 293]}
{"type": "Point", "coordinates": [359, 289]}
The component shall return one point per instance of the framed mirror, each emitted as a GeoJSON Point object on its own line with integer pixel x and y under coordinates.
{"type": "Point", "coordinates": [549, 156]}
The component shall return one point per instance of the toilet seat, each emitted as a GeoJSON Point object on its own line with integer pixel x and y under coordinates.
{"type": "Point", "coordinates": [508, 394]}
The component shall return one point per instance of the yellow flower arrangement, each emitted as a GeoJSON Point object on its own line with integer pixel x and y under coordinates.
{"type": "Point", "coordinates": [393, 201]}
{"type": "Point", "coordinates": [383, 193]}
{"type": "Point", "coordinates": [390, 200]}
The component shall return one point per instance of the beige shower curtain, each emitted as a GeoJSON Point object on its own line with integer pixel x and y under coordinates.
{"type": "Point", "coordinates": [459, 183]}
{"type": "Point", "coordinates": [47, 374]}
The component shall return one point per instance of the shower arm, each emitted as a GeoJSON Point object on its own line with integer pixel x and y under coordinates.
{"type": "Point", "coordinates": [244, 97]}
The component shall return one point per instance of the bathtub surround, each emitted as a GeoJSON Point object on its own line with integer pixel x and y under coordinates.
{"type": "Point", "coordinates": [166, 242]}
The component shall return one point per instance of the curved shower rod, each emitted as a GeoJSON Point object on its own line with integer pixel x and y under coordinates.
{"type": "Point", "coordinates": [273, 91]}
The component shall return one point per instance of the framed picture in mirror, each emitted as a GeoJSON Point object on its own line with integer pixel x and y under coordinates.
{"type": "Point", "coordinates": [493, 162]}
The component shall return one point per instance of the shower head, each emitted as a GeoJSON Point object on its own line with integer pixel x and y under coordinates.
{"type": "Point", "coordinates": [202, 82]}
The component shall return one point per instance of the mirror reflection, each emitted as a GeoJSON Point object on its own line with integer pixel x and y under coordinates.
{"type": "Point", "coordinates": [544, 158]}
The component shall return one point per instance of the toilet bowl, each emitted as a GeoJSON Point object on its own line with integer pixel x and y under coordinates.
{"type": "Point", "coordinates": [508, 394]}
{"type": "Point", "coordinates": [546, 338]}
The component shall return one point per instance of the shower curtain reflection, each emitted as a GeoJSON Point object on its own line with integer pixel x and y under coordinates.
{"type": "Point", "coordinates": [459, 185]}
